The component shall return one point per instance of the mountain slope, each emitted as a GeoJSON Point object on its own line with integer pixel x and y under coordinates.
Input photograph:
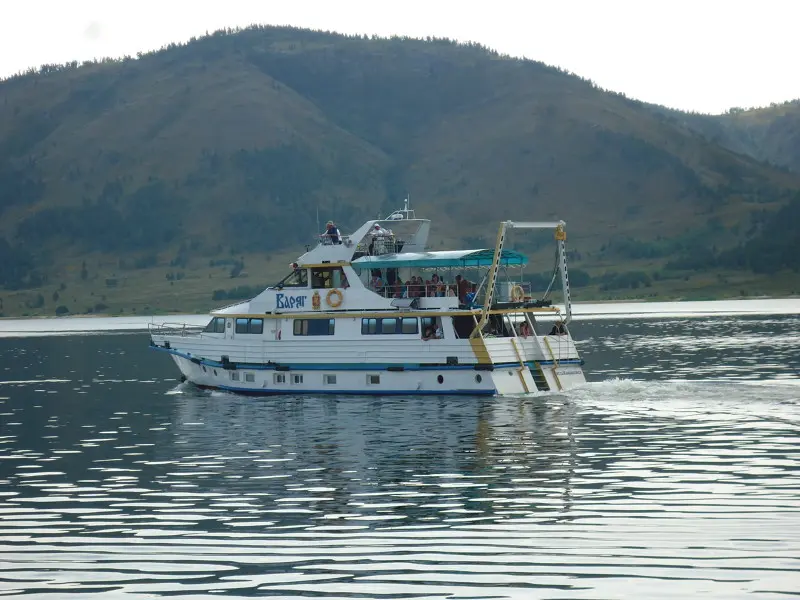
{"type": "Point", "coordinates": [767, 134]}
{"type": "Point", "coordinates": [135, 182]}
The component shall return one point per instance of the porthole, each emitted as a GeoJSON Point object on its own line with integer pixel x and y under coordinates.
{"type": "Point", "coordinates": [440, 379]}
{"type": "Point", "coordinates": [478, 378]}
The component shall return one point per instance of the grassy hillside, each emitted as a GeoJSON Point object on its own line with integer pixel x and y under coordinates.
{"type": "Point", "coordinates": [770, 134]}
{"type": "Point", "coordinates": [192, 174]}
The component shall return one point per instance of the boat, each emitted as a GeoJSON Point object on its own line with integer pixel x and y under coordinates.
{"type": "Point", "coordinates": [377, 312]}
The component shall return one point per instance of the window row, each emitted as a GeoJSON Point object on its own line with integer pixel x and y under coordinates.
{"type": "Point", "coordinates": [391, 325]}
{"type": "Point", "coordinates": [250, 326]}
{"type": "Point", "coordinates": [297, 378]}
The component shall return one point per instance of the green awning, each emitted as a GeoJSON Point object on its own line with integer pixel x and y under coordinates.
{"type": "Point", "coordinates": [465, 259]}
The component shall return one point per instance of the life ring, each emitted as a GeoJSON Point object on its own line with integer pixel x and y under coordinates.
{"type": "Point", "coordinates": [517, 293]}
{"type": "Point", "coordinates": [334, 298]}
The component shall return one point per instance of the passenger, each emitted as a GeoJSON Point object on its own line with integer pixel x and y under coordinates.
{"type": "Point", "coordinates": [332, 234]}
{"type": "Point", "coordinates": [558, 329]}
{"type": "Point", "coordinates": [428, 335]}
{"type": "Point", "coordinates": [439, 333]}
{"type": "Point", "coordinates": [463, 287]}
{"type": "Point", "coordinates": [451, 293]}
{"type": "Point", "coordinates": [377, 283]}
{"type": "Point", "coordinates": [398, 288]}
{"type": "Point", "coordinates": [524, 329]}
{"type": "Point", "coordinates": [470, 297]}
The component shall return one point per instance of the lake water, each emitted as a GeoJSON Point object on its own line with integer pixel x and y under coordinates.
{"type": "Point", "coordinates": [674, 473]}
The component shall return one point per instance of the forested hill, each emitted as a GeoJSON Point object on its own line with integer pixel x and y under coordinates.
{"type": "Point", "coordinates": [158, 181]}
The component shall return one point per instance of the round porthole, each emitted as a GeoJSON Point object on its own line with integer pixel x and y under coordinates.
{"type": "Point", "coordinates": [440, 379]}
{"type": "Point", "coordinates": [478, 378]}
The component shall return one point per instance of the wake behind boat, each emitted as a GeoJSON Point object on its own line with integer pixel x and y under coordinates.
{"type": "Point", "coordinates": [375, 313]}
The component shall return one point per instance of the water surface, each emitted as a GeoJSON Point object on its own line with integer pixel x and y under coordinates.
{"type": "Point", "coordinates": [674, 473]}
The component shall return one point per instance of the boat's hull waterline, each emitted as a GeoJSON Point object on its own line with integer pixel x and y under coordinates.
{"type": "Point", "coordinates": [353, 319]}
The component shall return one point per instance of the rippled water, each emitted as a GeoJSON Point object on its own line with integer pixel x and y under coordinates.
{"type": "Point", "coordinates": [674, 474]}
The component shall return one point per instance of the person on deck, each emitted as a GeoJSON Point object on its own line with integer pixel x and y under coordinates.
{"type": "Point", "coordinates": [559, 329]}
{"type": "Point", "coordinates": [332, 233]}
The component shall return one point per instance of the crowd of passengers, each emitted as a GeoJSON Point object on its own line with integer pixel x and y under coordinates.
{"type": "Point", "coordinates": [416, 287]}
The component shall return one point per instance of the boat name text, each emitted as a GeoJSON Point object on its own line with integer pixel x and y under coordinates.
{"type": "Point", "coordinates": [284, 301]}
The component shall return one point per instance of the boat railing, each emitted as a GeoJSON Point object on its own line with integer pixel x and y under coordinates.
{"type": "Point", "coordinates": [327, 240]}
{"type": "Point", "coordinates": [174, 329]}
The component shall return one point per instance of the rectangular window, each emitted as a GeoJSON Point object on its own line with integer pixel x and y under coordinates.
{"type": "Point", "coordinates": [329, 379]}
{"type": "Point", "coordinates": [297, 379]}
{"type": "Point", "coordinates": [389, 326]}
{"type": "Point", "coordinates": [328, 277]}
{"type": "Point", "coordinates": [278, 378]}
{"type": "Point", "coordinates": [314, 326]}
{"type": "Point", "coordinates": [250, 326]}
{"type": "Point", "coordinates": [369, 326]}
{"type": "Point", "coordinates": [234, 376]}
{"type": "Point", "coordinates": [428, 322]}
{"type": "Point", "coordinates": [410, 325]}
{"type": "Point", "coordinates": [250, 377]}
{"type": "Point", "coordinates": [373, 379]}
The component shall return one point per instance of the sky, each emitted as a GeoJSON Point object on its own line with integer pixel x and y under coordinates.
{"type": "Point", "coordinates": [697, 55]}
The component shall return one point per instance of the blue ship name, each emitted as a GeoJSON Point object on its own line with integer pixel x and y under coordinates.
{"type": "Point", "coordinates": [284, 301]}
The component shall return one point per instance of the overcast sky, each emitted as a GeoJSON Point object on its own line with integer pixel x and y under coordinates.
{"type": "Point", "coordinates": [703, 55]}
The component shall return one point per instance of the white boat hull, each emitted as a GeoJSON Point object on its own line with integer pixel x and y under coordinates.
{"type": "Point", "coordinates": [354, 380]}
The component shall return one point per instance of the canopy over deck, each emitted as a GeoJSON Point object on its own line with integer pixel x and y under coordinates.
{"type": "Point", "coordinates": [465, 259]}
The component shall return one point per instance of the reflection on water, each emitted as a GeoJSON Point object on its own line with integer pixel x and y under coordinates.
{"type": "Point", "coordinates": [677, 476]}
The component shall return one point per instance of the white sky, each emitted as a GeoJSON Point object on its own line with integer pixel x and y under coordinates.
{"type": "Point", "coordinates": [702, 55]}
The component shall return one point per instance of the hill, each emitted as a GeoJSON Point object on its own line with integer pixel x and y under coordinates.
{"type": "Point", "coordinates": [152, 183]}
{"type": "Point", "coordinates": [770, 134]}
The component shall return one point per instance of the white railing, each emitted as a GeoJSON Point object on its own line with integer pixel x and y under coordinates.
{"type": "Point", "coordinates": [174, 329]}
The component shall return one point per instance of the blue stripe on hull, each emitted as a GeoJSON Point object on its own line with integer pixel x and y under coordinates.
{"type": "Point", "coordinates": [265, 392]}
{"type": "Point", "coordinates": [359, 367]}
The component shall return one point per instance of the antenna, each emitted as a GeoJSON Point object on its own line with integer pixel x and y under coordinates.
{"type": "Point", "coordinates": [317, 231]}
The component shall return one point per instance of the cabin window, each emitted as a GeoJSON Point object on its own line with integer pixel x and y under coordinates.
{"type": "Point", "coordinates": [328, 277]}
{"type": "Point", "coordinates": [373, 379]}
{"type": "Point", "coordinates": [389, 326]}
{"type": "Point", "coordinates": [216, 325]}
{"type": "Point", "coordinates": [250, 377]}
{"type": "Point", "coordinates": [369, 326]}
{"type": "Point", "coordinates": [250, 326]}
{"type": "Point", "coordinates": [297, 379]}
{"type": "Point", "coordinates": [329, 379]}
{"type": "Point", "coordinates": [234, 376]}
{"type": "Point", "coordinates": [297, 278]}
{"type": "Point", "coordinates": [409, 325]}
{"type": "Point", "coordinates": [278, 378]}
{"type": "Point", "coordinates": [314, 326]}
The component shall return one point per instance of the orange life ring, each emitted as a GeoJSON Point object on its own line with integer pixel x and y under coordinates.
{"type": "Point", "coordinates": [334, 298]}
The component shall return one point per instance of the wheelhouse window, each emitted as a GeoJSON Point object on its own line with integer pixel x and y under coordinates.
{"type": "Point", "coordinates": [255, 326]}
{"type": "Point", "coordinates": [389, 326]}
{"type": "Point", "coordinates": [216, 325]}
{"type": "Point", "coordinates": [297, 278]}
{"type": "Point", "coordinates": [314, 326]}
{"type": "Point", "coordinates": [328, 277]}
